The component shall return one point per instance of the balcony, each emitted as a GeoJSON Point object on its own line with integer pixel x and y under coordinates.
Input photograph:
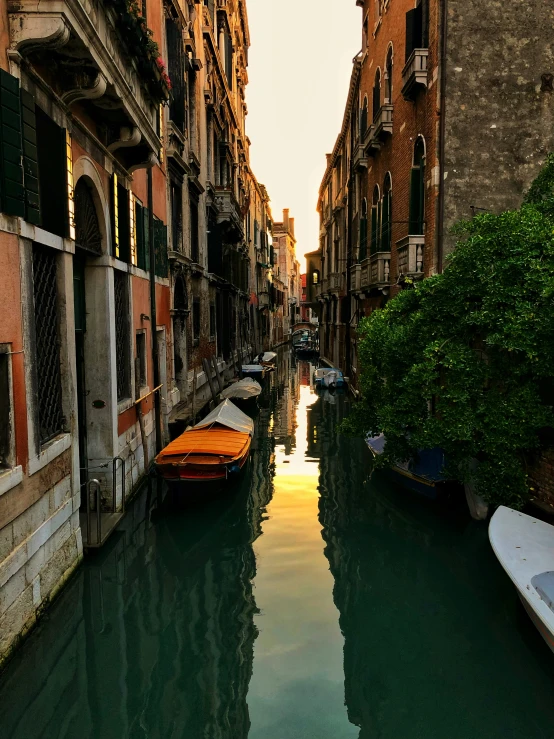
{"type": "Point", "coordinates": [382, 124]}
{"type": "Point", "coordinates": [336, 282]}
{"type": "Point", "coordinates": [229, 213]}
{"type": "Point", "coordinates": [340, 199]}
{"type": "Point", "coordinates": [355, 278]}
{"type": "Point", "coordinates": [379, 270]}
{"type": "Point", "coordinates": [99, 56]}
{"type": "Point", "coordinates": [414, 74]}
{"type": "Point", "coordinates": [410, 251]}
{"type": "Point", "coordinates": [374, 143]}
{"type": "Point", "coordinates": [359, 159]}
{"type": "Point", "coordinates": [364, 275]}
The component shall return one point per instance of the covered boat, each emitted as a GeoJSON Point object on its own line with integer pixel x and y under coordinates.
{"type": "Point", "coordinates": [524, 547]}
{"type": "Point", "coordinates": [423, 474]}
{"type": "Point", "coordinates": [329, 377]}
{"type": "Point", "coordinates": [256, 371]}
{"type": "Point", "coordinates": [212, 451]}
{"type": "Point", "coordinates": [244, 389]}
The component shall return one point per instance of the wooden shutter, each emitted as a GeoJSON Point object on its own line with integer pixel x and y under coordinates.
{"type": "Point", "coordinates": [123, 222]}
{"type": "Point", "coordinates": [12, 191]}
{"type": "Point", "coordinates": [30, 158]}
{"type": "Point", "coordinates": [414, 30]}
{"type": "Point", "coordinates": [146, 222]}
{"type": "Point", "coordinates": [140, 243]}
{"type": "Point", "coordinates": [416, 202]}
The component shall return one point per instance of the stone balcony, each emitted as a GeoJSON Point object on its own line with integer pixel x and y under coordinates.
{"type": "Point", "coordinates": [93, 56]}
{"type": "Point", "coordinates": [336, 282]}
{"type": "Point", "coordinates": [355, 278]}
{"type": "Point", "coordinates": [379, 270]}
{"type": "Point", "coordinates": [382, 124]}
{"type": "Point", "coordinates": [263, 299]}
{"type": "Point", "coordinates": [410, 254]}
{"type": "Point", "coordinates": [229, 213]}
{"type": "Point", "coordinates": [414, 74]}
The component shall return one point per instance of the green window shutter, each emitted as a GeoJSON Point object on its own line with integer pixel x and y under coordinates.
{"type": "Point", "coordinates": [30, 158]}
{"type": "Point", "coordinates": [387, 221]}
{"type": "Point", "coordinates": [374, 222]}
{"type": "Point", "coordinates": [12, 191]}
{"type": "Point", "coordinates": [123, 223]}
{"type": "Point", "coordinates": [140, 245]}
{"type": "Point", "coordinates": [415, 201]}
{"type": "Point", "coordinates": [363, 238]}
{"type": "Point", "coordinates": [146, 221]}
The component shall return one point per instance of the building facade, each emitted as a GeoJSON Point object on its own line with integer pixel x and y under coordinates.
{"type": "Point", "coordinates": [125, 201]}
{"type": "Point", "coordinates": [434, 131]}
{"type": "Point", "coordinates": [286, 275]}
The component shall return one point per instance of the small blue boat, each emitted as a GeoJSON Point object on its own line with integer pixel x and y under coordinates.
{"type": "Point", "coordinates": [424, 473]}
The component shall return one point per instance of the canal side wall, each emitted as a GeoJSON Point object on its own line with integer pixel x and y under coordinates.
{"type": "Point", "coordinates": [541, 480]}
{"type": "Point", "coordinates": [38, 552]}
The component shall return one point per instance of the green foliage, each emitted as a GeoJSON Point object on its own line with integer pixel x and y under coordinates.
{"type": "Point", "coordinates": [460, 360]}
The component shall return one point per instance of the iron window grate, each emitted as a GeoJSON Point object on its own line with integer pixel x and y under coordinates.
{"type": "Point", "coordinates": [121, 335]}
{"type": "Point", "coordinates": [49, 385]}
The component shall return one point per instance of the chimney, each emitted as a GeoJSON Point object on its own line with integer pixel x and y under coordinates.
{"type": "Point", "coordinates": [286, 218]}
{"type": "Point", "coordinates": [291, 221]}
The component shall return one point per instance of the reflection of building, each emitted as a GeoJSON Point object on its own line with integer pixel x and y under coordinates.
{"type": "Point", "coordinates": [288, 391]}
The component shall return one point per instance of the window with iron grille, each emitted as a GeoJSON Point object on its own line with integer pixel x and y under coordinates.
{"type": "Point", "coordinates": [122, 335]}
{"type": "Point", "coordinates": [49, 386]}
{"type": "Point", "coordinates": [6, 429]}
{"type": "Point", "coordinates": [196, 319]}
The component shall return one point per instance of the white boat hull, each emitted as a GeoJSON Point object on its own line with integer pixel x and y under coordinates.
{"type": "Point", "coordinates": [524, 547]}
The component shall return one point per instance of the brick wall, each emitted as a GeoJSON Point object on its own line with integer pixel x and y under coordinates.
{"type": "Point", "coordinates": [541, 478]}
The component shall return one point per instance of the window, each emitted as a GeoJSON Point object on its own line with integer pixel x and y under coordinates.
{"type": "Point", "coordinates": [388, 77]}
{"type": "Point", "coordinates": [363, 118]}
{"type": "Point", "coordinates": [176, 215]}
{"type": "Point", "coordinates": [122, 335]}
{"type": "Point", "coordinates": [6, 428]}
{"type": "Point", "coordinates": [417, 190]}
{"type": "Point", "coordinates": [196, 320]}
{"type": "Point", "coordinates": [140, 371]}
{"type": "Point", "coordinates": [176, 71]}
{"type": "Point", "coordinates": [315, 277]}
{"type": "Point", "coordinates": [53, 171]}
{"type": "Point", "coordinates": [363, 231]}
{"type": "Point", "coordinates": [417, 28]}
{"type": "Point", "coordinates": [212, 321]}
{"type": "Point", "coordinates": [49, 386]}
{"type": "Point", "coordinates": [386, 229]}
{"type": "Point", "coordinates": [194, 245]}
{"type": "Point", "coordinates": [141, 230]}
{"type": "Point", "coordinates": [120, 215]}
{"type": "Point", "coordinates": [377, 94]}
{"type": "Point", "coordinates": [375, 221]}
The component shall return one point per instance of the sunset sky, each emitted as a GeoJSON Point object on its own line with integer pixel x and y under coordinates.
{"type": "Point", "coordinates": [299, 69]}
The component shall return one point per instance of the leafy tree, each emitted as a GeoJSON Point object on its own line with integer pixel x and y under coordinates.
{"type": "Point", "coordinates": [462, 360]}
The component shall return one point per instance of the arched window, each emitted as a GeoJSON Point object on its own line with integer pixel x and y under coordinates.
{"type": "Point", "coordinates": [375, 221]}
{"type": "Point", "coordinates": [377, 93]}
{"type": "Point", "coordinates": [388, 77]}
{"type": "Point", "coordinates": [386, 228]}
{"type": "Point", "coordinates": [315, 277]}
{"type": "Point", "coordinates": [417, 189]}
{"type": "Point", "coordinates": [363, 231]}
{"type": "Point", "coordinates": [363, 118]}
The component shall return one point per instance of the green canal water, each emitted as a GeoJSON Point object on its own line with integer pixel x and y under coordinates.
{"type": "Point", "coordinates": [314, 602]}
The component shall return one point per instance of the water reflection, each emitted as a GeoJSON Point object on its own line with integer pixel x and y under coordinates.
{"type": "Point", "coordinates": [316, 601]}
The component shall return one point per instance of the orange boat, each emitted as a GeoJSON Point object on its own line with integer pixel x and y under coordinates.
{"type": "Point", "coordinates": [214, 450]}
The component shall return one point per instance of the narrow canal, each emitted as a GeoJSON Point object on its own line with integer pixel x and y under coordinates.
{"type": "Point", "coordinates": [315, 602]}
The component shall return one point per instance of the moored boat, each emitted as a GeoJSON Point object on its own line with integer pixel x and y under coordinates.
{"type": "Point", "coordinates": [423, 473]}
{"type": "Point", "coordinates": [244, 393]}
{"type": "Point", "coordinates": [329, 377]}
{"type": "Point", "coordinates": [524, 546]}
{"type": "Point", "coordinates": [257, 371]}
{"type": "Point", "coordinates": [215, 450]}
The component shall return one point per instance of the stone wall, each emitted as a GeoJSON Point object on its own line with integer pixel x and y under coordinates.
{"type": "Point", "coordinates": [500, 104]}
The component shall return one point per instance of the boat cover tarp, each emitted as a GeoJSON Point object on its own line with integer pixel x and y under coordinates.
{"type": "Point", "coordinates": [269, 357]}
{"type": "Point", "coordinates": [228, 415]}
{"type": "Point", "coordinates": [243, 389]}
{"type": "Point", "coordinates": [215, 441]}
{"type": "Point", "coordinates": [253, 368]}
{"type": "Point", "coordinates": [376, 443]}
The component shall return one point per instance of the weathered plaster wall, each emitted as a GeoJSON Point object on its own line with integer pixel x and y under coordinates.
{"type": "Point", "coordinates": [499, 122]}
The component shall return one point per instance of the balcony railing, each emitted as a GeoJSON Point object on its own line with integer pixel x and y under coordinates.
{"type": "Point", "coordinates": [380, 269]}
{"type": "Point", "coordinates": [410, 251]}
{"type": "Point", "coordinates": [414, 74]}
{"type": "Point", "coordinates": [364, 275]}
{"type": "Point", "coordinates": [229, 211]}
{"type": "Point", "coordinates": [355, 278]}
{"type": "Point", "coordinates": [382, 125]}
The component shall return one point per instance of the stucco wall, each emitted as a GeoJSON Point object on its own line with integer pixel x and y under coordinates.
{"type": "Point", "coordinates": [499, 123]}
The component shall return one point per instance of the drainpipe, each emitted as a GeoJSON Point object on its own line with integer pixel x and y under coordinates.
{"type": "Point", "coordinates": [442, 134]}
{"type": "Point", "coordinates": [153, 313]}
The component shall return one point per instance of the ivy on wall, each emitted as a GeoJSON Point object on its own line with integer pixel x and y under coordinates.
{"type": "Point", "coordinates": [465, 360]}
